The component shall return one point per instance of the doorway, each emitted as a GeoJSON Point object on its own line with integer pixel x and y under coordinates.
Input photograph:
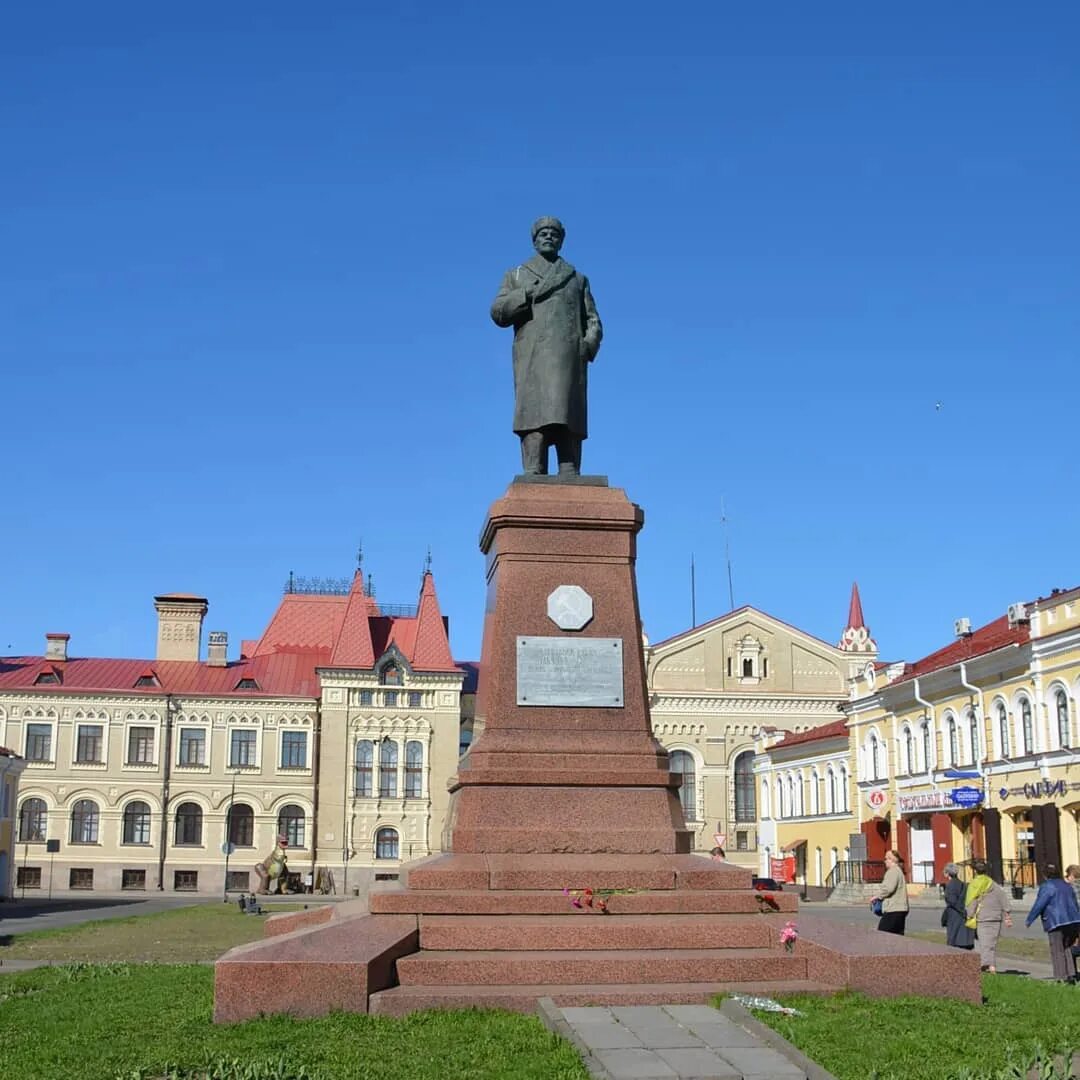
{"type": "Point", "coordinates": [922, 850]}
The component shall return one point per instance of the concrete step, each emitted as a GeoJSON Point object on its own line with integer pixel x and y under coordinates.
{"type": "Point", "coordinates": [489, 967]}
{"type": "Point", "coordinates": [553, 902]}
{"type": "Point", "coordinates": [554, 932]}
{"type": "Point", "coordinates": [401, 1000]}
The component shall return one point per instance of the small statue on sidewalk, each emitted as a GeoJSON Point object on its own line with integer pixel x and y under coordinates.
{"type": "Point", "coordinates": [273, 870]}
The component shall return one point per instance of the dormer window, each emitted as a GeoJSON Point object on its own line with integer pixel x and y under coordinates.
{"type": "Point", "coordinates": [247, 683]}
{"type": "Point", "coordinates": [48, 677]}
{"type": "Point", "coordinates": [145, 680]}
{"type": "Point", "coordinates": [390, 675]}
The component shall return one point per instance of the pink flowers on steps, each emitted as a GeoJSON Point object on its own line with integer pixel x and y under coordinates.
{"type": "Point", "coordinates": [788, 936]}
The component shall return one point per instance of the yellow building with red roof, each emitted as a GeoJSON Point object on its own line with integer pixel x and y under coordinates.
{"type": "Point", "coordinates": [336, 730]}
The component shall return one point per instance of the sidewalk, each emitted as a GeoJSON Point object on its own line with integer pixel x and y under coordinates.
{"type": "Point", "coordinates": [678, 1042]}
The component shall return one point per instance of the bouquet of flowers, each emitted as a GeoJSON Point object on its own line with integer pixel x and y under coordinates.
{"type": "Point", "coordinates": [788, 936]}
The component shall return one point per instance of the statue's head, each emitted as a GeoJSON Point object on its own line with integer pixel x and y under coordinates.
{"type": "Point", "coordinates": [547, 236]}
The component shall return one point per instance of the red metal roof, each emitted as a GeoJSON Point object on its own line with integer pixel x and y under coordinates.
{"type": "Point", "coordinates": [353, 646]}
{"type": "Point", "coordinates": [994, 635]}
{"type": "Point", "coordinates": [855, 615]}
{"type": "Point", "coordinates": [431, 650]}
{"type": "Point", "coordinates": [834, 729]}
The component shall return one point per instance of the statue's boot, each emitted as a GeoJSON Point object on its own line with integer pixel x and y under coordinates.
{"type": "Point", "coordinates": [568, 450]}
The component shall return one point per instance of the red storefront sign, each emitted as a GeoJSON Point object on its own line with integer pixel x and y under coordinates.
{"type": "Point", "coordinates": [783, 869]}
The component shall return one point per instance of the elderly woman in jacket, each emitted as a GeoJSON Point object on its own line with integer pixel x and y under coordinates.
{"type": "Point", "coordinates": [987, 907]}
{"type": "Point", "coordinates": [1056, 903]}
{"type": "Point", "coordinates": [893, 895]}
{"type": "Point", "coordinates": [954, 917]}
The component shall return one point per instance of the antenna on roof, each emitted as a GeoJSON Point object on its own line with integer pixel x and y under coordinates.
{"type": "Point", "coordinates": [370, 586]}
{"type": "Point", "coordinates": [427, 561]}
{"type": "Point", "coordinates": [727, 554]}
{"type": "Point", "coordinates": [693, 594]}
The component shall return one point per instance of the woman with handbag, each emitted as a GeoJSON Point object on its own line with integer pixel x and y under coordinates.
{"type": "Point", "coordinates": [893, 896]}
{"type": "Point", "coordinates": [954, 918]}
{"type": "Point", "coordinates": [987, 906]}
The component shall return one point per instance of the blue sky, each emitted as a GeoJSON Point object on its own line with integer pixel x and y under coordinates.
{"type": "Point", "coordinates": [249, 253]}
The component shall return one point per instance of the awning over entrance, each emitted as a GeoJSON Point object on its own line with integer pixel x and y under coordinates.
{"type": "Point", "coordinates": [792, 845]}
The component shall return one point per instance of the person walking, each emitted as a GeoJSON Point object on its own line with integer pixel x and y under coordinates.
{"type": "Point", "coordinates": [1072, 876]}
{"type": "Point", "coordinates": [988, 910]}
{"type": "Point", "coordinates": [893, 895]}
{"type": "Point", "coordinates": [1056, 904]}
{"type": "Point", "coordinates": [954, 917]}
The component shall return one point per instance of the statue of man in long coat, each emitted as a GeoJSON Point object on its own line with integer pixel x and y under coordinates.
{"type": "Point", "coordinates": [557, 334]}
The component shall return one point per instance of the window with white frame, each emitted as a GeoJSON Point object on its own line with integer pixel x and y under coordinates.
{"type": "Point", "coordinates": [33, 821]}
{"type": "Point", "coordinates": [1003, 730]}
{"type": "Point", "coordinates": [241, 825]}
{"type": "Point", "coordinates": [388, 766]}
{"type": "Point", "coordinates": [974, 741]}
{"type": "Point", "coordinates": [189, 822]}
{"type": "Point", "coordinates": [414, 769]}
{"type": "Point", "coordinates": [88, 740]}
{"type": "Point", "coordinates": [1027, 727]}
{"type": "Point", "coordinates": [874, 762]}
{"type": "Point", "coordinates": [681, 763]}
{"type": "Point", "coordinates": [386, 844]}
{"type": "Point", "coordinates": [365, 758]}
{"type": "Point", "coordinates": [1061, 710]}
{"type": "Point", "coordinates": [910, 754]}
{"type": "Point", "coordinates": [815, 803]}
{"type": "Point", "coordinates": [745, 808]}
{"type": "Point", "coordinates": [844, 789]}
{"type": "Point", "coordinates": [136, 823]}
{"type": "Point", "coordinates": [765, 799]}
{"type": "Point", "coordinates": [140, 747]}
{"type": "Point", "coordinates": [294, 749]}
{"type": "Point", "coordinates": [291, 825]}
{"type": "Point", "coordinates": [192, 746]}
{"type": "Point", "coordinates": [954, 740]}
{"type": "Point", "coordinates": [927, 745]}
{"type": "Point", "coordinates": [85, 819]}
{"type": "Point", "coordinates": [242, 748]}
{"type": "Point", "coordinates": [38, 742]}
{"type": "Point", "coordinates": [830, 791]}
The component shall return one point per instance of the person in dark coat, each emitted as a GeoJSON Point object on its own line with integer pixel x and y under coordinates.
{"type": "Point", "coordinates": [557, 334]}
{"type": "Point", "coordinates": [954, 917]}
{"type": "Point", "coordinates": [1056, 904]}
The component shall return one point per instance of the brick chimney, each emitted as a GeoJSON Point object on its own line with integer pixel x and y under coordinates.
{"type": "Point", "coordinates": [56, 646]}
{"type": "Point", "coordinates": [217, 649]}
{"type": "Point", "coordinates": [180, 618]}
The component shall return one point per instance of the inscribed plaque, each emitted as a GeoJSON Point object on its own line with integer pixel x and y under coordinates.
{"type": "Point", "coordinates": [585, 672]}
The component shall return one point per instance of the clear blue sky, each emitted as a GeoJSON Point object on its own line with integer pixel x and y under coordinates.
{"type": "Point", "coordinates": [249, 253]}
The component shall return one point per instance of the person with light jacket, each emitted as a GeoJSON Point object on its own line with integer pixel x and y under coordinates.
{"type": "Point", "coordinates": [1056, 903]}
{"type": "Point", "coordinates": [893, 895]}
{"type": "Point", "coordinates": [987, 910]}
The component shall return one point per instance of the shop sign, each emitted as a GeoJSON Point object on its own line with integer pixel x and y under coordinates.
{"type": "Point", "coordinates": [1042, 789]}
{"type": "Point", "coordinates": [877, 798]}
{"type": "Point", "coordinates": [783, 870]}
{"type": "Point", "coordinates": [925, 800]}
{"type": "Point", "coordinates": [966, 797]}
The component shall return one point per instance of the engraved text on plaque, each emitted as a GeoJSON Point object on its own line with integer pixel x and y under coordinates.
{"type": "Point", "coordinates": [570, 671]}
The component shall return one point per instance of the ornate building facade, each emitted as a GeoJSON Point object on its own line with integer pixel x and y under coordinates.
{"type": "Point", "coordinates": [717, 688]}
{"type": "Point", "coordinates": [336, 730]}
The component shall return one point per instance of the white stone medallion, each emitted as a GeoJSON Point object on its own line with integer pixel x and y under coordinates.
{"type": "Point", "coordinates": [570, 607]}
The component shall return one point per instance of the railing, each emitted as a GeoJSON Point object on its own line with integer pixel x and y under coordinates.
{"type": "Point", "coordinates": [855, 872]}
{"type": "Point", "coordinates": [1018, 873]}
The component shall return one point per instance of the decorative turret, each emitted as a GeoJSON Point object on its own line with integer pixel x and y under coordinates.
{"type": "Point", "coordinates": [856, 637]}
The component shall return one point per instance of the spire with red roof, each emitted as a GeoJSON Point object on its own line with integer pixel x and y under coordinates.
{"type": "Point", "coordinates": [856, 636]}
{"type": "Point", "coordinates": [353, 646]}
{"type": "Point", "coordinates": [431, 650]}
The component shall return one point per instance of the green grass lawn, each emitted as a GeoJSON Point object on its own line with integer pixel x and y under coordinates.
{"type": "Point", "coordinates": [118, 1022]}
{"type": "Point", "coordinates": [859, 1038]}
{"type": "Point", "coordinates": [1017, 947]}
{"type": "Point", "coordinates": [188, 935]}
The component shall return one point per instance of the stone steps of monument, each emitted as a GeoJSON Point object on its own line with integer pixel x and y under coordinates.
{"type": "Point", "coordinates": [602, 870]}
{"type": "Point", "coordinates": [402, 1000]}
{"type": "Point", "coordinates": [596, 966]}
{"type": "Point", "coordinates": [555, 932]}
{"type": "Point", "coordinates": [553, 902]}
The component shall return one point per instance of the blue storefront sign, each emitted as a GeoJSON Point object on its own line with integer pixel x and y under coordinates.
{"type": "Point", "coordinates": [966, 797]}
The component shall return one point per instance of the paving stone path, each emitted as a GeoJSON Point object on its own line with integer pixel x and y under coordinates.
{"type": "Point", "coordinates": [678, 1042]}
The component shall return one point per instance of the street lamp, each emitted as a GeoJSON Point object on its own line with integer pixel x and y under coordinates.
{"type": "Point", "coordinates": [228, 845]}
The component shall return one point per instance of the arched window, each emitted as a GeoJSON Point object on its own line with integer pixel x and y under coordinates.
{"type": "Point", "coordinates": [927, 746]}
{"type": "Point", "coordinates": [386, 844]}
{"type": "Point", "coordinates": [84, 822]}
{"type": "Point", "coordinates": [1003, 729]}
{"type": "Point", "coordinates": [290, 824]}
{"type": "Point", "coordinates": [1026, 726]}
{"type": "Point", "coordinates": [781, 809]}
{"type": "Point", "coordinates": [973, 736]}
{"type": "Point", "coordinates": [188, 824]}
{"type": "Point", "coordinates": [33, 821]}
{"type": "Point", "coordinates": [843, 789]}
{"type": "Point", "coordinates": [137, 823]}
{"type": "Point", "coordinates": [682, 763]}
{"type": "Point", "coordinates": [765, 801]}
{"type": "Point", "coordinates": [909, 750]}
{"type": "Point", "coordinates": [789, 799]}
{"type": "Point", "coordinates": [875, 757]}
{"type": "Point", "coordinates": [745, 806]}
{"type": "Point", "coordinates": [830, 791]}
{"type": "Point", "coordinates": [365, 757]}
{"type": "Point", "coordinates": [388, 769]}
{"type": "Point", "coordinates": [954, 742]}
{"type": "Point", "coordinates": [1062, 703]}
{"type": "Point", "coordinates": [242, 825]}
{"type": "Point", "coordinates": [390, 675]}
{"type": "Point", "coordinates": [815, 803]}
{"type": "Point", "coordinates": [414, 770]}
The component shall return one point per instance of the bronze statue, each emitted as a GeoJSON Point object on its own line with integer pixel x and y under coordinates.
{"type": "Point", "coordinates": [557, 334]}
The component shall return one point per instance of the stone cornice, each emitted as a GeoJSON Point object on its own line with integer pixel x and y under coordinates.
{"type": "Point", "coordinates": [730, 706]}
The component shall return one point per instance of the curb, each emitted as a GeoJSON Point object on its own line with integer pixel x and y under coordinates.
{"type": "Point", "coordinates": [742, 1016]}
{"type": "Point", "coordinates": [551, 1017]}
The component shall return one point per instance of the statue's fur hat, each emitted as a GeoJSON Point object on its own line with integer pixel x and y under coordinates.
{"type": "Point", "coordinates": [548, 222]}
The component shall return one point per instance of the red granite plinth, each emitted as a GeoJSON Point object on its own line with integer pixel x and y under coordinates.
{"type": "Point", "coordinates": [568, 778]}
